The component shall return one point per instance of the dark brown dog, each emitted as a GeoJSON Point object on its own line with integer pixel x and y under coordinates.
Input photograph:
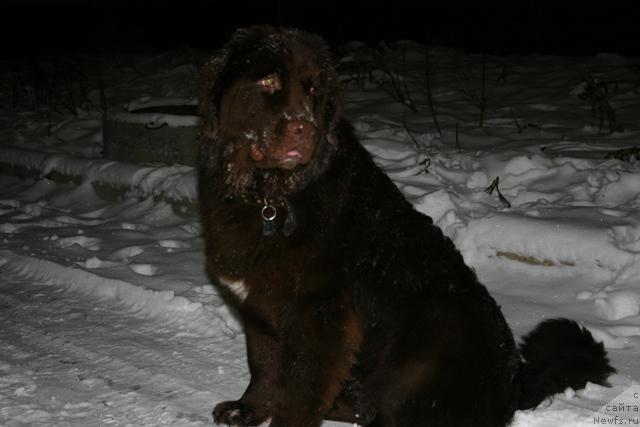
{"type": "Point", "coordinates": [355, 306]}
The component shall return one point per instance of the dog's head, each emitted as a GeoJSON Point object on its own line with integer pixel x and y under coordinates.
{"type": "Point", "coordinates": [269, 102]}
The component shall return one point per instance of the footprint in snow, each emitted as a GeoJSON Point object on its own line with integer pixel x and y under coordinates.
{"type": "Point", "coordinates": [126, 253]}
{"type": "Point", "coordinates": [95, 262]}
{"type": "Point", "coordinates": [25, 390]}
{"type": "Point", "coordinates": [91, 243]}
{"type": "Point", "coordinates": [29, 211]}
{"type": "Point", "coordinates": [131, 226]}
{"type": "Point", "coordinates": [10, 203]}
{"type": "Point", "coordinates": [144, 269]}
{"type": "Point", "coordinates": [170, 245]}
{"type": "Point", "coordinates": [613, 212]}
{"type": "Point", "coordinates": [70, 220]}
{"type": "Point", "coordinates": [192, 229]}
{"type": "Point", "coordinates": [8, 228]}
{"type": "Point", "coordinates": [92, 383]}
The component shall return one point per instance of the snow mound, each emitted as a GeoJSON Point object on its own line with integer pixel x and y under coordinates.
{"type": "Point", "coordinates": [173, 182]}
{"type": "Point", "coordinates": [618, 305]}
{"type": "Point", "coordinates": [550, 238]}
{"type": "Point", "coordinates": [164, 306]}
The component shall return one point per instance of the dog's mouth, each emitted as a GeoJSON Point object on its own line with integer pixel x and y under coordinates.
{"type": "Point", "coordinates": [295, 148]}
{"type": "Point", "coordinates": [280, 158]}
{"type": "Point", "coordinates": [291, 159]}
{"type": "Point", "coordinates": [294, 154]}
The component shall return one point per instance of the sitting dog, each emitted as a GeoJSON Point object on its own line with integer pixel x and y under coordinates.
{"type": "Point", "coordinates": [355, 306]}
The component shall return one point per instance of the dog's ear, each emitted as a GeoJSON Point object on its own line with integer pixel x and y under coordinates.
{"type": "Point", "coordinates": [209, 79]}
{"type": "Point", "coordinates": [334, 104]}
{"type": "Point", "coordinates": [206, 91]}
{"type": "Point", "coordinates": [335, 101]}
{"type": "Point", "coordinates": [247, 35]}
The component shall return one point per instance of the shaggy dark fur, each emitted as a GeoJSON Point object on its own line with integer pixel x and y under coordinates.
{"type": "Point", "coordinates": [355, 306]}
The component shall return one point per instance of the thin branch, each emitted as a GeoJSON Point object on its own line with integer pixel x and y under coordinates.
{"type": "Point", "coordinates": [494, 186]}
{"type": "Point", "coordinates": [406, 127]}
{"type": "Point", "coordinates": [432, 107]}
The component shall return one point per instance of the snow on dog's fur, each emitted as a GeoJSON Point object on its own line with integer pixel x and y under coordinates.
{"type": "Point", "coordinates": [355, 306]}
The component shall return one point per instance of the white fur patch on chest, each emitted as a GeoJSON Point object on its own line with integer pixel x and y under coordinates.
{"type": "Point", "coordinates": [237, 287]}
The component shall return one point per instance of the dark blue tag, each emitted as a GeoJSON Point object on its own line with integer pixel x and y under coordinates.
{"type": "Point", "coordinates": [290, 222]}
{"type": "Point", "coordinates": [268, 228]}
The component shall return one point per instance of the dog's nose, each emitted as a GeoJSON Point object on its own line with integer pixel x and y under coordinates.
{"type": "Point", "coordinates": [299, 128]}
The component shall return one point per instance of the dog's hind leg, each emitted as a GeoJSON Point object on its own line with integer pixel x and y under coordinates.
{"type": "Point", "coordinates": [352, 406]}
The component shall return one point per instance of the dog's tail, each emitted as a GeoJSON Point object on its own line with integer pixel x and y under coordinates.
{"type": "Point", "coordinates": [557, 354]}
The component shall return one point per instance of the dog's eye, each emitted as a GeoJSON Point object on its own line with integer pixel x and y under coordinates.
{"type": "Point", "coordinates": [270, 84]}
{"type": "Point", "coordinates": [313, 91]}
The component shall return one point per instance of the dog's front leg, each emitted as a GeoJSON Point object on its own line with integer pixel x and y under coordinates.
{"type": "Point", "coordinates": [319, 340]}
{"type": "Point", "coordinates": [256, 404]}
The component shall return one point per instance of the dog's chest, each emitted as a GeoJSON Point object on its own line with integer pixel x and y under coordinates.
{"type": "Point", "coordinates": [253, 266]}
{"type": "Point", "coordinates": [237, 287]}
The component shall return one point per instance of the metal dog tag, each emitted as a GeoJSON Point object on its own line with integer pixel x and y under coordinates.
{"type": "Point", "coordinates": [268, 214]}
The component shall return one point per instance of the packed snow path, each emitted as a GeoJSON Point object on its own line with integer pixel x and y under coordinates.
{"type": "Point", "coordinates": [66, 360]}
{"type": "Point", "coordinates": [75, 360]}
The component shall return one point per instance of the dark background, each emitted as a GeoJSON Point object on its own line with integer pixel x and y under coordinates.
{"type": "Point", "coordinates": [45, 26]}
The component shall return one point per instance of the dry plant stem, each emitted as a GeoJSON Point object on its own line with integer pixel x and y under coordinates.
{"type": "Point", "coordinates": [495, 186]}
{"type": "Point", "coordinates": [478, 96]}
{"type": "Point", "coordinates": [515, 120]}
{"type": "Point", "coordinates": [428, 73]}
{"type": "Point", "coordinates": [409, 132]}
{"type": "Point", "coordinates": [482, 103]}
{"type": "Point", "coordinates": [397, 87]}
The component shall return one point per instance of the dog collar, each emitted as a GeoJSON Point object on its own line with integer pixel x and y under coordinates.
{"type": "Point", "coordinates": [268, 215]}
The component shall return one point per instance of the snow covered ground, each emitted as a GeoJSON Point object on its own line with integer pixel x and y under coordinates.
{"type": "Point", "coordinates": [109, 319]}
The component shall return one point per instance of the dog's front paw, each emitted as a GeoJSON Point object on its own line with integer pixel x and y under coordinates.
{"type": "Point", "coordinates": [236, 413]}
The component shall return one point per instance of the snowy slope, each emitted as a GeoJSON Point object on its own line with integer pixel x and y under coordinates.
{"type": "Point", "coordinates": [109, 319]}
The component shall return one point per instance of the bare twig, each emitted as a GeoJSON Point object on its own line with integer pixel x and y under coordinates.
{"type": "Point", "coordinates": [631, 155]}
{"type": "Point", "coordinates": [103, 97]}
{"type": "Point", "coordinates": [425, 164]}
{"type": "Point", "coordinates": [396, 86]}
{"type": "Point", "coordinates": [477, 96]}
{"type": "Point", "coordinates": [515, 120]}
{"type": "Point", "coordinates": [494, 186]}
{"type": "Point", "coordinates": [428, 73]}
{"type": "Point", "coordinates": [598, 94]}
{"type": "Point", "coordinates": [52, 82]}
{"type": "Point", "coordinates": [504, 72]}
{"type": "Point", "coordinates": [482, 104]}
{"type": "Point", "coordinates": [409, 132]}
